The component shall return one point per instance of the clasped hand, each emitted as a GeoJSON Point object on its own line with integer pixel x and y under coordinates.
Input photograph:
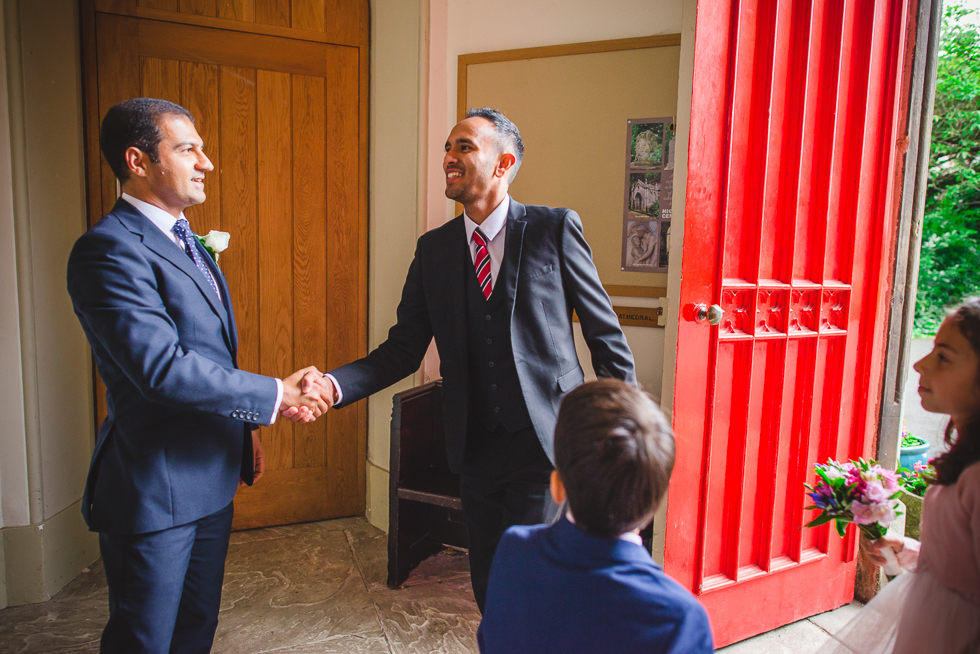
{"type": "Point", "coordinates": [306, 395]}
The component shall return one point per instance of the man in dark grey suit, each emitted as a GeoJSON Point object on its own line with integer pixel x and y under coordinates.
{"type": "Point", "coordinates": [496, 287]}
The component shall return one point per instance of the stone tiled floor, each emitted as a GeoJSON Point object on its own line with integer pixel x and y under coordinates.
{"type": "Point", "coordinates": [320, 588]}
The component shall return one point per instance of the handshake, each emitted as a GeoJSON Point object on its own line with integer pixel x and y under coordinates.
{"type": "Point", "coordinates": [306, 395]}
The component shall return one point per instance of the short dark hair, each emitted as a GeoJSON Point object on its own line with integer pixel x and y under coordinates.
{"type": "Point", "coordinates": [614, 452]}
{"type": "Point", "coordinates": [508, 136]}
{"type": "Point", "coordinates": [135, 123]}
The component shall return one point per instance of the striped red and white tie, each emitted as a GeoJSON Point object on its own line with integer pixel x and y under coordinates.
{"type": "Point", "coordinates": [482, 263]}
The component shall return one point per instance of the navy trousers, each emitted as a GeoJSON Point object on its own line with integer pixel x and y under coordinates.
{"type": "Point", "coordinates": [504, 482]}
{"type": "Point", "coordinates": [165, 587]}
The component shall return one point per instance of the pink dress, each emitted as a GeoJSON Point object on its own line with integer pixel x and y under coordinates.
{"type": "Point", "coordinates": [935, 605]}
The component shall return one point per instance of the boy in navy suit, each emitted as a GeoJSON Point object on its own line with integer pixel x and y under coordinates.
{"type": "Point", "coordinates": [586, 583]}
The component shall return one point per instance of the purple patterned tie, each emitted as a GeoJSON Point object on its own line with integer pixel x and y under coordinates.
{"type": "Point", "coordinates": [482, 263]}
{"type": "Point", "coordinates": [182, 229]}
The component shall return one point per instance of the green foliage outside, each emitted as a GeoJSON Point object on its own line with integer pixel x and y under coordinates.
{"type": "Point", "coordinates": [949, 268]}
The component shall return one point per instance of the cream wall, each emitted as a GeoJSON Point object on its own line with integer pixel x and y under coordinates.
{"type": "Point", "coordinates": [450, 28]}
{"type": "Point", "coordinates": [46, 390]}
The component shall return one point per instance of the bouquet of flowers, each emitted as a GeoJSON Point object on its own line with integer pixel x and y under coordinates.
{"type": "Point", "coordinates": [917, 480]}
{"type": "Point", "coordinates": [861, 492]}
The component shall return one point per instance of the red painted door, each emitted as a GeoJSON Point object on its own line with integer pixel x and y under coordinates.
{"type": "Point", "coordinates": [787, 227]}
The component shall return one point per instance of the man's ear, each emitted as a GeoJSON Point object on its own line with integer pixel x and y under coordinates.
{"type": "Point", "coordinates": [504, 164]}
{"type": "Point", "coordinates": [136, 161]}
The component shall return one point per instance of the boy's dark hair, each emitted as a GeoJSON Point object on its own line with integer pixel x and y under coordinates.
{"type": "Point", "coordinates": [135, 123]}
{"type": "Point", "coordinates": [508, 136]}
{"type": "Point", "coordinates": [614, 452]}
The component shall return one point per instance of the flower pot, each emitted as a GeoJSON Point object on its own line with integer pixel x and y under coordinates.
{"type": "Point", "coordinates": [909, 455]}
{"type": "Point", "coordinates": [913, 513]}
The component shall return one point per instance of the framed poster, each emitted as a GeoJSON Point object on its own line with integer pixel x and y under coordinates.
{"type": "Point", "coordinates": [649, 186]}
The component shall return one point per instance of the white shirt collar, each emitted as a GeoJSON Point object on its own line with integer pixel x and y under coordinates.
{"type": "Point", "coordinates": [492, 225]}
{"type": "Point", "coordinates": [155, 215]}
{"type": "Point", "coordinates": [630, 536]}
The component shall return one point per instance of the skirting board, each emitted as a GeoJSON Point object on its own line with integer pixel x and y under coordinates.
{"type": "Point", "coordinates": [40, 560]}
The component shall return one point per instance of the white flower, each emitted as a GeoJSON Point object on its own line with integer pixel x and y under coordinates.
{"type": "Point", "coordinates": [217, 241]}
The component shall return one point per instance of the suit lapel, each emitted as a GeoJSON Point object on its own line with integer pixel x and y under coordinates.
{"type": "Point", "coordinates": [457, 260]}
{"type": "Point", "coordinates": [156, 241]}
{"type": "Point", "coordinates": [516, 222]}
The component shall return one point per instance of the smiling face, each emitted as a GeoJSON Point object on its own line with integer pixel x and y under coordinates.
{"type": "Point", "coordinates": [949, 376]}
{"type": "Point", "coordinates": [176, 181]}
{"type": "Point", "coordinates": [473, 163]}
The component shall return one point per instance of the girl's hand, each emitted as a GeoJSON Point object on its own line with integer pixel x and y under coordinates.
{"type": "Point", "coordinates": [874, 547]}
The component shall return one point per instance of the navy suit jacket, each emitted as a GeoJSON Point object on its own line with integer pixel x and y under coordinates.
{"type": "Point", "coordinates": [557, 589]}
{"type": "Point", "coordinates": [177, 435]}
{"type": "Point", "coordinates": [554, 276]}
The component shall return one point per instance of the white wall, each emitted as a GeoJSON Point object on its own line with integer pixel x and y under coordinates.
{"type": "Point", "coordinates": [47, 439]}
{"type": "Point", "coordinates": [396, 35]}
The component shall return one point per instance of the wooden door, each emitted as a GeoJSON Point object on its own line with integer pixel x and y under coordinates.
{"type": "Point", "coordinates": [788, 224]}
{"type": "Point", "coordinates": [283, 122]}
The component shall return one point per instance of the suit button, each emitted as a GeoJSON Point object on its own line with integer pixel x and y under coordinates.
{"type": "Point", "coordinates": [493, 387]}
{"type": "Point", "coordinates": [496, 409]}
{"type": "Point", "coordinates": [491, 364]}
{"type": "Point", "coordinates": [487, 317]}
{"type": "Point", "coordinates": [489, 341]}
{"type": "Point", "coordinates": [250, 416]}
{"type": "Point", "coordinates": [234, 414]}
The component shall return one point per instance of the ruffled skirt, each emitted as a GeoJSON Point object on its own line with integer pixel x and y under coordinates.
{"type": "Point", "coordinates": [913, 614]}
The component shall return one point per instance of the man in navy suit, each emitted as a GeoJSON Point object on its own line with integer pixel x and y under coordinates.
{"type": "Point", "coordinates": [181, 427]}
{"type": "Point", "coordinates": [587, 584]}
{"type": "Point", "coordinates": [496, 287]}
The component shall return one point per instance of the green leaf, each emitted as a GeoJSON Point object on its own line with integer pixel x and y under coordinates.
{"type": "Point", "coordinates": [819, 520]}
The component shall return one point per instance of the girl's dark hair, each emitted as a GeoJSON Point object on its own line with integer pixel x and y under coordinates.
{"type": "Point", "coordinates": [964, 447]}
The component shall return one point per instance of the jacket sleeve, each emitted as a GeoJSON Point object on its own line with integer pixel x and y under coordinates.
{"type": "Point", "coordinates": [115, 294]}
{"type": "Point", "coordinates": [611, 355]}
{"type": "Point", "coordinates": [402, 352]}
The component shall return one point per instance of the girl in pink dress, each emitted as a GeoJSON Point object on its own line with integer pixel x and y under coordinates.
{"type": "Point", "coordinates": [934, 606]}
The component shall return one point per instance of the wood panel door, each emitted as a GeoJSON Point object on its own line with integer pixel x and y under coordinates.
{"type": "Point", "coordinates": [788, 220]}
{"type": "Point", "coordinates": [282, 121]}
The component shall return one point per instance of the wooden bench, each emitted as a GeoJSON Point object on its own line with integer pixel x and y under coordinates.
{"type": "Point", "coordinates": [425, 512]}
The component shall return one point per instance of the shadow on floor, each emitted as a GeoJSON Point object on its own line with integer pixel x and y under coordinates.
{"type": "Point", "coordinates": [318, 587]}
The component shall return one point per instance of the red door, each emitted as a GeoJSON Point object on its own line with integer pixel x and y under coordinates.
{"type": "Point", "coordinates": [787, 227]}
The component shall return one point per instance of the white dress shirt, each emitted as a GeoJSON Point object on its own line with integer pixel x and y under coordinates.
{"type": "Point", "coordinates": [495, 229]}
{"type": "Point", "coordinates": [165, 222]}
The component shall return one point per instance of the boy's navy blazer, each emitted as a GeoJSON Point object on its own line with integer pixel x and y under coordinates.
{"type": "Point", "coordinates": [558, 589]}
{"type": "Point", "coordinates": [551, 274]}
{"type": "Point", "coordinates": [177, 435]}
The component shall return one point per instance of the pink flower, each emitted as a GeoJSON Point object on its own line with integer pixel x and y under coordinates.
{"type": "Point", "coordinates": [890, 481]}
{"type": "Point", "coordinates": [874, 492]}
{"type": "Point", "coordinates": [868, 514]}
{"type": "Point", "coordinates": [917, 466]}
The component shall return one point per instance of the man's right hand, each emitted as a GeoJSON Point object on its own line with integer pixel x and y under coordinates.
{"type": "Point", "coordinates": [304, 396]}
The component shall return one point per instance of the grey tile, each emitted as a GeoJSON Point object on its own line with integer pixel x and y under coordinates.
{"type": "Point", "coordinates": [299, 589]}
{"type": "Point", "coordinates": [430, 617]}
{"type": "Point", "coordinates": [834, 621]}
{"type": "Point", "coordinates": [800, 637]}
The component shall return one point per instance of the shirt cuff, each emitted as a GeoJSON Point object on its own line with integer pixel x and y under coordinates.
{"type": "Point", "coordinates": [275, 409]}
{"type": "Point", "coordinates": [336, 386]}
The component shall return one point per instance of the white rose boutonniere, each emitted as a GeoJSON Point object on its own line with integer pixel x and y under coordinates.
{"type": "Point", "coordinates": [215, 243]}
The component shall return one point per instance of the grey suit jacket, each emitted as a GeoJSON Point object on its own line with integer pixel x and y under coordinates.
{"type": "Point", "coordinates": [555, 275]}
